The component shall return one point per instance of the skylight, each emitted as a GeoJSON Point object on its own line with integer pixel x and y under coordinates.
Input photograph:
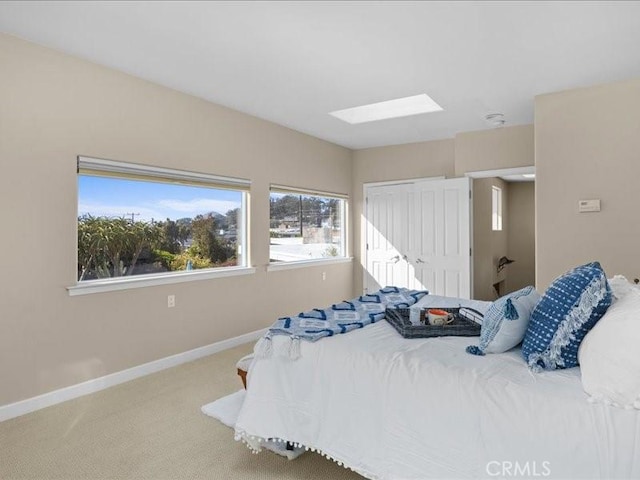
{"type": "Point", "coordinates": [401, 107]}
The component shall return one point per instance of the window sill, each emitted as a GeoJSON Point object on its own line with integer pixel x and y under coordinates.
{"type": "Point", "coordinates": [274, 267]}
{"type": "Point", "coordinates": [110, 285]}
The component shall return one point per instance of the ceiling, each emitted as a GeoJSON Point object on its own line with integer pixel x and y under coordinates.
{"type": "Point", "coordinates": [294, 62]}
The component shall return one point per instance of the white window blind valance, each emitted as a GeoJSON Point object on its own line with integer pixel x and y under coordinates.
{"type": "Point", "coordinates": [306, 191]}
{"type": "Point", "coordinates": [134, 171]}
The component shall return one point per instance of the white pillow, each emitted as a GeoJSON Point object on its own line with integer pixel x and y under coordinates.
{"type": "Point", "coordinates": [609, 356]}
{"type": "Point", "coordinates": [620, 286]}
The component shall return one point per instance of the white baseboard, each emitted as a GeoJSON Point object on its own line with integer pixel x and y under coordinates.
{"type": "Point", "coordinates": [22, 407]}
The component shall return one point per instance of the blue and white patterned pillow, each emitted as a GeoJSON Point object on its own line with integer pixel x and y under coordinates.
{"type": "Point", "coordinates": [505, 322]}
{"type": "Point", "coordinates": [570, 307]}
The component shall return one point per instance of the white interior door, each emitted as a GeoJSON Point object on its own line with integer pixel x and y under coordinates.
{"type": "Point", "coordinates": [438, 250]}
{"type": "Point", "coordinates": [422, 230]}
{"type": "Point", "coordinates": [386, 234]}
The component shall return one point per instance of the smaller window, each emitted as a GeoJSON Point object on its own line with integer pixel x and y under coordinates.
{"type": "Point", "coordinates": [306, 225]}
{"type": "Point", "coordinates": [496, 208]}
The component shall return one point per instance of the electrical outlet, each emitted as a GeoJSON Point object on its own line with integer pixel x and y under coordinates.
{"type": "Point", "coordinates": [171, 301]}
{"type": "Point", "coordinates": [324, 275]}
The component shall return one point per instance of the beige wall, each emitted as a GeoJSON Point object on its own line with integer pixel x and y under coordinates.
{"type": "Point", "coordinates": [588, 147]}
{"type": "Point", "coordinates": [494, 149]}
{"type": "Point", "coordinates": [398, 162]}
{"type": "Point", "coordinates": [488, 245]}
{"type": "Point", "coordinates": [521, 236]}
{"type": "Point", "coordinates": [54, 107]}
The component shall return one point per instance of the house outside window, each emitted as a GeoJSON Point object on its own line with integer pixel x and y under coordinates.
{"type": "Point", "coordinates": [138, 221]}
{"type": "Point", "coordinates": [306, 225]}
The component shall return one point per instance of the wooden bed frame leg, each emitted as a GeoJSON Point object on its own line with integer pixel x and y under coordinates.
{"type": "Point", "coordinates": [243, 377]}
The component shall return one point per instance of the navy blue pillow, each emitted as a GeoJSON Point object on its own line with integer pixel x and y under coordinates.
{"type": "Point", "coordinates": [570, 307]}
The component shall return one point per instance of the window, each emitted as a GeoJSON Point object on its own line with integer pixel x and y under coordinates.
{"type": "Point", "coordinates": [135, 220]}
{"type": "Point", "coordinates": [496, 208]}
{"type": "Point", "coordinates": [306, 225]}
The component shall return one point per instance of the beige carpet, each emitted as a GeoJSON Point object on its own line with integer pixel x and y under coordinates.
{"type": "Point", "coordinates": [149, 428]}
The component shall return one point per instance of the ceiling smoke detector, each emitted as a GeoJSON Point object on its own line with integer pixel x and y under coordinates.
{"type": "Point", "coordinates": [495, 119]}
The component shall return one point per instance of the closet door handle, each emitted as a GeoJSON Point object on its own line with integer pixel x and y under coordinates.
{"type": "Point", "coordinates": [395, 259]}
{"type": "Point", "coordinates": [420, 261]}
{"type": "Point", "coordinates": [405, 258]}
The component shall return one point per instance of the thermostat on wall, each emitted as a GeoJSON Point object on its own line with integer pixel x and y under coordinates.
{"type": "Point", "coordinates": [588, 206]}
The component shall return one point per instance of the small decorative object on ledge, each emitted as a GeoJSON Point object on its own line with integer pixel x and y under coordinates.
{"type": "Point", "coordinates": [503, 262]}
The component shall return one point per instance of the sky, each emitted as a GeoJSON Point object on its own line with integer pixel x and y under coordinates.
{"type": "Point", "coordinates": [112, 197]}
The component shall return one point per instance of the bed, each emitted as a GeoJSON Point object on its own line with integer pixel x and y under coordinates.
{"type": "Point", "coordinates": [392, 408]}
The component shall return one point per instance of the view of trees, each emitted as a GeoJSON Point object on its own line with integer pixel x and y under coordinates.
{"type": "Point", "coordinates": [116, 247]}
{"type": "Point", "coordinates": [301, 210]}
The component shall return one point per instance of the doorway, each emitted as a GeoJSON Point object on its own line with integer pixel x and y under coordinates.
{"type": "Point", "coordinates": [504, 257]}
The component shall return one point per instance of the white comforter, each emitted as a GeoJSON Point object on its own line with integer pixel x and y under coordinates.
{"type": "Point", "coordinates": [398, 409]}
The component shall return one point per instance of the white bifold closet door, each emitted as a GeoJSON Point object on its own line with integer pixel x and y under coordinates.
{"type": "Point", "coordinates": [418, 236]}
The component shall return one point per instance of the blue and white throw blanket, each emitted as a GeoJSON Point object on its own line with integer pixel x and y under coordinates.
{"type": "Point", "coordinates": [339, 318]}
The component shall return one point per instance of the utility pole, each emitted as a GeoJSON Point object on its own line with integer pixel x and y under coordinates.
{"type": "Point", "coordinates": [301, 232]}
{"type": "Point", "coordinates": [330, 224]}
{"type": "Point", "coordinates": [133, 215]}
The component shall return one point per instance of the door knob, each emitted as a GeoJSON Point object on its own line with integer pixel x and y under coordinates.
{"type": "Point", "coordinates": [395, 259]}
{"type": "Point", "coordinates": [404, 257]}
{"type": "Point", "coordinates": [419, 260]}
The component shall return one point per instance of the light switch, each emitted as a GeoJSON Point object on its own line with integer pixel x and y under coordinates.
{"type": "Point", "coordinates": [589, 206]}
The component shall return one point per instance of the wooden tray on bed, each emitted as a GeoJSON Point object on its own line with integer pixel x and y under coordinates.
{"type": "Point", "coordinates": [466, 323]}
